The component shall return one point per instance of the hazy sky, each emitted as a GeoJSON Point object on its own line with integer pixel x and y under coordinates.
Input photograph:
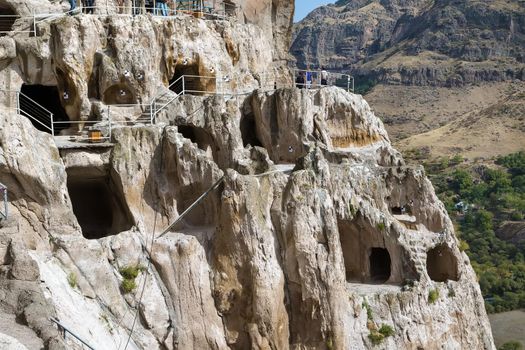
{"type": "Point", "coordinates": [304, 7]}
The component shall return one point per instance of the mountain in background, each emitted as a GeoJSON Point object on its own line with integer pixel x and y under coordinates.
{"type": "Point", "coordinates": [416, 42]}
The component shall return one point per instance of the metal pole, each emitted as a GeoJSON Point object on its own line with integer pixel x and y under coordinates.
{"type": "Point", "coordinates": [34, 22]}
{"type": "Point", "coordinates": [183, 85]}
{"type": "Point", "coordinates": [52, 124]}
{"type": "Point", "coordinates": [5, 202]}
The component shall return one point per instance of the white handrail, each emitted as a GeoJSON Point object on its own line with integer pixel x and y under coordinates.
{"type": "Point", "coordinates": [3, 194]}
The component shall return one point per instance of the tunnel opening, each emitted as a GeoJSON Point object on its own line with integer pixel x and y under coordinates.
{"type": "Point", "coordinates": [47, 97]}
{"type": "Point", "coordinates": [98, 206]}
{"type": "Point", "coordinates": [442, 264]}
{"type": "Point", "coordinates": [249, 131]}
{"type": "Point", "coordinates": [8, 18]}
{"type": "Point", "coordinates": [119, 94]}
{"type": "Point", "coordinates": [380, 265]}
{"type": "Point", "coordinates": [371, 255]}
{"type": "Point", "coordinates": [200, 137]}
{"type": "Point", "coordinates": [187, 79]}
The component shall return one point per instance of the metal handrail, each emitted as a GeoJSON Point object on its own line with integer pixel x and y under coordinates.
{"type": "Point", "coordinates": [318, 80]}
{"type": "Point", "coordinates": [3, 192]}
{"type": "Point", "coordinates": [66, 330]}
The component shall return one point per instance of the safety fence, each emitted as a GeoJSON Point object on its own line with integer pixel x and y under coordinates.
{"type": "Point", "coordinates": [118, 115]}
{"type": "Point", "coordinates": [207, 9]}
{"type": "Point", "coordinates": [315, 79]}
{"type": "Point", "coordinates": [3, 198]}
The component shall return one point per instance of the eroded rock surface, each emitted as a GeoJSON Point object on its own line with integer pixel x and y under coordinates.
{"type": "Point", "coordinates": [316, 236]}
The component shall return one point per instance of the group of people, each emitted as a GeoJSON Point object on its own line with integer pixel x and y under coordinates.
{"type": "Point", "coordinates": [158, 7]}
{"type": "Point", "coordinates": [88, 6]}
{"type": "Point", "coordinates": [305, 79]}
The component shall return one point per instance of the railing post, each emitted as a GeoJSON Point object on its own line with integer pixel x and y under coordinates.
{"type": "Point", "coordinates": [5, 203]}
{"type": "Point", "coordinates": [183, 85]}
{"type": "Point", "coordinates": [34, 22]}
{"type": "Point", "coordinates": [52, 124]}
{"type": "Point", "coordinates": [152, 108]}
{"type": "Point", "coordinates": [18, 111]}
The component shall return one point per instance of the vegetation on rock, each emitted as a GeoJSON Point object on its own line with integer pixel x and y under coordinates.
{"type": "Point", "coordinates": [480, 198]}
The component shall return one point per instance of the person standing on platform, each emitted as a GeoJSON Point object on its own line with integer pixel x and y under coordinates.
{"type": "Point", "coordinates": [324, 77]}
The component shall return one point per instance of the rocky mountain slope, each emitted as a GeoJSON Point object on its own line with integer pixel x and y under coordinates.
{"type": "Point", "coordinates": [317, 235]}
{"type": "Point", "coordinates": [416, 42]}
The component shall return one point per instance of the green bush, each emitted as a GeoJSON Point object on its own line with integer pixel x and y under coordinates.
{"type": "Point", "coordinates": [511, 345]}
{"type": "Point", "coordinates": [376, 338]}
{"type": "Point", "coordinates": [131, 272]}
{"type": "Point", "coordinates": [433, 296]}
{"type": "Point", "coordinates": [72, 279]}
{"type": "Point", "coordinates": [386, 330]}
{"type": "Point", "coordinates": [128, 285]}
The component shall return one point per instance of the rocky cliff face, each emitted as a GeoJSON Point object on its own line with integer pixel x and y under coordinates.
{"type": "Point", "coordinates": [416, 42]}
{"type": "Point", "coordinates": [318, 237]}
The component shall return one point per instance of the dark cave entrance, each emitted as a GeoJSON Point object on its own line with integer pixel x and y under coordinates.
{"type": "Point", "coordinates": [98, 206]}
{"type": "Point", "coordinates": [46, 98]}
{"type": "Point", "coordinates": [7, 19]}
{"type": "Point", "coordinates": [201, 137]}
{"type": "Point", "coordinates": [188, 79]}
{"type": "Point", "coordinates": [119, 94]}
{"type": "Point", "coordinates": [249, 131]}
{"type": "Point", "coordinates": [370, 255]}
{"type": "Point", "coordinates": [442, 265]}
{"type": "Point", "coordinates": [380, 265]}
{"type": "Point", "coordinates": [190, 82]}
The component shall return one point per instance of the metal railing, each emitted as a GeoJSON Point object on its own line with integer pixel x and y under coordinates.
{"type": "Point", "coordinates": [65, 330]}
{"type": "Point", "coordinates": [3, 197]}
{"type": "Point", "coordinates": [213, 9]}
{"type": "Point", "coordinates": [7, 25]}
{"type": "Point", "coordinates": [31, 109]}
{"type": "Point", "coordinates": [315, 79]}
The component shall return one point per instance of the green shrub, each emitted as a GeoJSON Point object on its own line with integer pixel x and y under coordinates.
{"type": "Point", "coordinates": [131, 272]}
{"type": "Point", "coordinates": [72, 279]}
{"type": "Point", "coordinates": [369, 314]}
{"type": "Point", "coordinates": [433, 296]}
{"type": "Point", "coordinates": [128, 285]}
{"type": "Point", "coordinates": [381, 226]}
{"type": "Point", "coordinates": [386, 330]}
{"type": "Point", "coordinates": [511, 345]}
{"type": "Point", "coordinates": [376, 338]}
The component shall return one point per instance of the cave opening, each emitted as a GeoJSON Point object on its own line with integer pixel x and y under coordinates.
{"type": "Point", "coordinates": [119, 94]}
{"type": "Point", "coordinates": [189, 83]}
{"type": "Point", "coordinates": [7, 19]}
{"type": "Point", "coordinates": [98, 206]}
{"type": "Point", "coordinates": [43, 98]}
{"type": "Point", "coordinates": [200, 137]}
{"type": "Point", "coordinates": [380, 265]}
{"type": "Point", "coordinates": [442, 264]}
{"type": "Point", "coordinates": [371, 255]}
{"type": "Point", "coordinates": [249, 131]}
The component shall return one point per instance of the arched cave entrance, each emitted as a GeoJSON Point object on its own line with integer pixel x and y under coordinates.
{"type": "Point", "coordinates": [119, 94]}
{"type": "Point", "coordinates": [98, 205]}
{"type": "Point", "coordinates": [371, 255]}
{"type": "Point", "coordinates": [47, 97]}
{"type": "Point", "coordinates": [192, 83]}
{"type": "Point", "coordinates": [442, 264]}
{"type": "Point", "coordinates": [7, 19]}
{"type": "Point", "coordinates": [249, 131]}
{"type": "Point", "coordinates": [380, 265]}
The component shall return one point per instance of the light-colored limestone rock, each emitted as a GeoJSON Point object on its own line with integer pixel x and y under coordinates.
{"type": "Point", "coordinates": [300, 246]}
